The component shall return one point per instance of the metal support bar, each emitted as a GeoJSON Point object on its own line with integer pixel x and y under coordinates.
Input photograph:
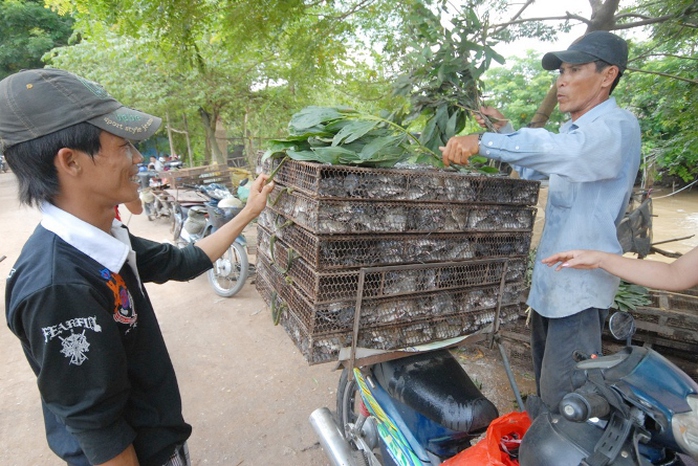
{"type": "Point", "coordinates": [357, 316]}
{"type": "Point", "coordinates": [510, 374]}
{"type": "Point", "coordinates": [497, 312]}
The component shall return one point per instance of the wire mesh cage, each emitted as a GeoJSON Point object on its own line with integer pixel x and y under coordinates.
{"type": "Point", "coordinates": [417, 255]}
{"type": "Point", "coordinates": [333, 285]}
{"type": "Point", "coordinates": [420, 184]}
{"type": "Point", "coordinates": [385, 309]}
{"type": "Point", "coordinates": [319, 347]}
{"type": "Point", "coordinates": [331, 216]}
{"type": "Point", "coordinates": [323, 252]}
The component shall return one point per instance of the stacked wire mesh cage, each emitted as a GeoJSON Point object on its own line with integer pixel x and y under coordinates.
{"type": "Point", "coordinates": [440, 252]}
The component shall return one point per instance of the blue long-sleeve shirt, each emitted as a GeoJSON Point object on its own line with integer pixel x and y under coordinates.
{"type": "Point", "coordinates": [591, 166]}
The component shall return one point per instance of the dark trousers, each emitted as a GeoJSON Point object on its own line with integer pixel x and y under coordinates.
{"type": "Point", "coordinates": [553, 343]}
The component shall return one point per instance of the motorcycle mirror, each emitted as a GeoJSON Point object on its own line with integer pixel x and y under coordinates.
{"type": "Point", "coordinates": [622, 326]}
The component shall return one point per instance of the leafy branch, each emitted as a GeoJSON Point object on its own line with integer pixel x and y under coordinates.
{"type": "Point", "coordinates": [344, 136]}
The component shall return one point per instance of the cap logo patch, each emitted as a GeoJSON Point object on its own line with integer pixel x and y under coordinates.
{"type": "Point", "coordinates": [95, 88]}
{"type": "Point", "coordinates": [128, 118]}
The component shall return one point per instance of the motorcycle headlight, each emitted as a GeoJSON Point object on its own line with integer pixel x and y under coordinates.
{"type": "Point", "coordinates": [685, 428]}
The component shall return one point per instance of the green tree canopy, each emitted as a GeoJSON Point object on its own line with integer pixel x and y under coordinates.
{"type": "Point", "coordinates": [239, 66]}
{"type": "Point", "coordinates": [27, 31]}
{"type": "Point", "coordinates": [242, 67]}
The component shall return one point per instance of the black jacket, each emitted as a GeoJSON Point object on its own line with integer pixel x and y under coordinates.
{"type": "Point", "coordinates": [92, 339]}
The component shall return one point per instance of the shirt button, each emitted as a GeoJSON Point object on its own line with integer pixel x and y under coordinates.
{"type": "Point", "coordinates": [488, 152]}
{"type": "Point", "coordinates": [517, 147]}
{"type": "Point", "coordinates": [489, 143]}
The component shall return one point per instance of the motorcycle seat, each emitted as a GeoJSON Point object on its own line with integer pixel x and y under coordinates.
{"type": "Point", "coordinates": [435, 385]}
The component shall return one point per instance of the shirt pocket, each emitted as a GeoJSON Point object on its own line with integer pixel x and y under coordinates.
{"type": "Point", "coordinates": [561, 192]}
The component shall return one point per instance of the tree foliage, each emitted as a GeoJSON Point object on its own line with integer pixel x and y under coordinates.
{"type": "Point", "coordinates": [241, 68]}
{"type": "Point", "coordinates": [443, 72]}
{"type": "Point", "coordinates": [27, 32]}
{"type": "Point", "coordinates": [659, 85]}
{"type": "Point", "coordinates": [666, 108]}
{"type": "Point", "coordinates": [519, 88]}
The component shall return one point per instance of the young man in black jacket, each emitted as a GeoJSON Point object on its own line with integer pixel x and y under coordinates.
{"type": "Point", "coordinates": [75, 298]}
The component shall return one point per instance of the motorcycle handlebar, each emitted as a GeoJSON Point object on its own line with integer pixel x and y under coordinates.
{"type": "Point", "coordinates": [580, 406]}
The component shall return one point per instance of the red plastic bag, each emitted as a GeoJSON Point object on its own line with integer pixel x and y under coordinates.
{"type": "Point", "coordinates": [504, 433]}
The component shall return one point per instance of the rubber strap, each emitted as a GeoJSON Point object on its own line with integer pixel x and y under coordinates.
{"type": "Point", "coordinates": [611, 442]}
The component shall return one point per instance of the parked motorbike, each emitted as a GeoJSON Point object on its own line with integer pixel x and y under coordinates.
{"type": "Point", "coordinates": [157, 202]}
{"type": "Point", "coordinates": [174, 164]}
{"type": "Point", "coordinates": [633, 408]}
{"type": "Point", "coordinates": [3, 164]}
{"type": "Point", "coordinates": [198, 219]}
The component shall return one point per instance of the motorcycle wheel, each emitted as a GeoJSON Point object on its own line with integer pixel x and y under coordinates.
{"type": "Point", "coordinates": [348, 399]}
{"type": "Point", "coordinates": [161, 207]}
{"type": "Point", "coordinates": [229, 273]}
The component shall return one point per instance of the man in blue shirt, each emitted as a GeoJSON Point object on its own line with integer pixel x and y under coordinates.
{"type": "Point", "coordinates": [591, 165]}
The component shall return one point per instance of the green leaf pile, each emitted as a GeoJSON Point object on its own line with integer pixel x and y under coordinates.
{"type": "Point", "coordinates": [629, 297]}
{"type": "Point", "coordinates": [343, 136]}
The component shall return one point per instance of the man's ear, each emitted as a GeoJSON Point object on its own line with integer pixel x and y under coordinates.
{"type": "Point", "coordinates": [67, 162]}
{"type": "Point", "coordinates": [610, 74]}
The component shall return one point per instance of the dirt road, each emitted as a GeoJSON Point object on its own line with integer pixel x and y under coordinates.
{"type": "Point", "coordinates": [246, 389]}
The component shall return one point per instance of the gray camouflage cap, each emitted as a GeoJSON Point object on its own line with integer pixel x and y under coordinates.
{"type": "Point", "coordinates": [34, 103]}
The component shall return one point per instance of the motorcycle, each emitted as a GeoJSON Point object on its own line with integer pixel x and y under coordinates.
{"type": "Point", "coordinates": [633, 407]}
{"type": "Point", "coordinates": [174, 164]}
{"type": "Point", "coordinates": [157, 202]}
{"type": "Point", "coordinates": [3, 164]}
{"type": "Point", "coordinates": [194, 220]}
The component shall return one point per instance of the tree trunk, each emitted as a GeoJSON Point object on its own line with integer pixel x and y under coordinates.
{"type": "Point", "coordinates": [169, 133]}
{"type": "Point", "coordinates": [540, 118]}
{"type": "Point", "coordinates": [186, 132]}
{"type": "Point", "coordinates": [220, 156]}
{"type": "Point", "coordinates": [250, 155]}
{"type": "Point", "coordinates": [213, 153]}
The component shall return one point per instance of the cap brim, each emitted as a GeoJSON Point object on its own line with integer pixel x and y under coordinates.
{"type": "Point", "coordinates": [128, 123]}
{"type": "Point", "coordinates": [553, 60]}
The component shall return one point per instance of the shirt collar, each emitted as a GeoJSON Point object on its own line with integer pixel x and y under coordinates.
{"type": "Point", "coordinates": [111, 251]}
{"type": "Point", "coordinates": [591, 115]}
